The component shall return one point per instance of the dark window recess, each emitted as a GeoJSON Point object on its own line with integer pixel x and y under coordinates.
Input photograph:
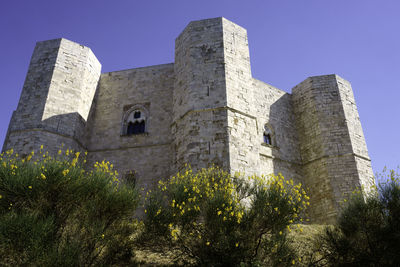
{"type": "Point", "coordinates": [267, 139]}
{"type": "Point", "coordinates": [135, 127]}
{"type": "Point", "coordinates": [136, 115]}
{"type": "Point", "coordinates": [130, 178]}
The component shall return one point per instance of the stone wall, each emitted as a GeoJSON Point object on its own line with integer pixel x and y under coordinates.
{"type": "Point", "coordinates": [274, 108]}
{"type": "Point", "coordinates": [327, 124]}
{"type": "Point", "coordinates": [204, 109]}
{"type": "Point", "coordinates": [199, 101]}
{"type": "Point", "coordinates": [357, 138]}
{"type": "Point", "coordinates": [56, 98]}
{"type": "Point", "coordinates": [149, 154]}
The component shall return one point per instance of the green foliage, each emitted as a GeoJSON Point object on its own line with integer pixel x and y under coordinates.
{"type": "Point", "coordinates": [223, 220]}
{"type": "Point", "coordinates": [368, 230]}
{"type": "Point", "coordinates": [54, 213]}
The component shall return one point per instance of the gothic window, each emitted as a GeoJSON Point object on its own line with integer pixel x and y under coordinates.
{"type": "Point", "coordinates": [267, 135]}
{"type": "Point", "coordinates": [134, 121]}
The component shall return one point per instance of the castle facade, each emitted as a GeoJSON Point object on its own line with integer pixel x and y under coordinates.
{"type": "Point", "coordinates": [203, 109]}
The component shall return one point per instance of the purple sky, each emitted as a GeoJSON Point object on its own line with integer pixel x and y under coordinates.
{"type": "Point", "coordinates": [289, 41]}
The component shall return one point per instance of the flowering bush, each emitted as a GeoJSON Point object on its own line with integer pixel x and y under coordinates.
{"type": "Point", "coordinates": [219, 219]}
{"type": "Point", "coordinates": [54, 212]}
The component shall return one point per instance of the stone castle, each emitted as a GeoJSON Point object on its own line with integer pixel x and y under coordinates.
{"type": "Point", "coordinates": [203, 109]}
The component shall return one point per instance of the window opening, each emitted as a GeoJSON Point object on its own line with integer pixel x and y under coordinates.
{"type": "Point", "coordinates": [267, 135]}
{"type": "Point", "coordinates": [267, 139]}
{"type": "Point", "coordinates": [135, 127]}
{"type": "Point", "coordinates": [131, 178]}
{"type": "Point", "coordinates": [134, 122]}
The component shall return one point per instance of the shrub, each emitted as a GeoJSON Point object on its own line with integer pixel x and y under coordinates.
{"type": "Point", "coordinates": [368, 230]}
{"type": "Point", "coordinates": [54, 213]}
{"type": "Point", "coordinates": [223, 220]}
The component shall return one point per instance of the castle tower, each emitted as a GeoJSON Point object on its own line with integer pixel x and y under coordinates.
{"type": "Point", "coordinates": [203, 109]}
{"type": "Point", "coordinates": [199, 99]}
{"type": "Point", "coordinates": [56, 98]}
{"type": "Point", "coordinates": [332, 145]}
{"type": "Point", "coordinates": [213, 77]}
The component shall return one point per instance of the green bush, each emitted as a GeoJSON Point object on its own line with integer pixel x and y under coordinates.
{"type": "Point", "coordinates": [223, 220]}
{"type": "Point", "coordinates": [368, 230]}
{"type": "Point", "coordinates": [54, 213]}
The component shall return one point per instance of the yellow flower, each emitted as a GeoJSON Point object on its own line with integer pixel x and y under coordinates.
{"type": "Point", "coordinates": [30, 187]}
{"type": "Point", "coordinates": [293, 262]}
{"type": "Point", "coordinates": [43, 176]}
{"type": "Point", "coordinates": [74, 161]}
{"type": "Point", "coordinates": [280, 232]}
{"type": "Point", "coordinates": [237, 244]}
{"type": "Point", "coordinates": [65, 172]}
{"type": "Point", "coordinates": [219, 212]}
{"type": "Point", "coordinates": [208, 243]}
{"type": "Point", "coordinates": [102, 236]}
{"type": "Point", "coordinates": [1, 196]}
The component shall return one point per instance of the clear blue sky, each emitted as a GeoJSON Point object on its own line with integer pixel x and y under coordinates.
{"type": "Point", "coordinates": [289, 41]}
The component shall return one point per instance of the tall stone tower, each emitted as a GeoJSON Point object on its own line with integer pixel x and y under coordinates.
{"type": "Point", "coordinates": [332, 145]}
{"type": "Point", "coordinates": [200, 97]}
{"type": "Point", "coordinates": [213, 83]}
{"type": "Point", "coordinates": [56, 98]}
{"type": "Point", "coordinates": [203, 109]}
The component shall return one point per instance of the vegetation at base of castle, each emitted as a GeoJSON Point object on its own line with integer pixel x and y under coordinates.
{"type": "Point", "coordinates": [368, 230]}
{"type": "Point", "coordinates": [221, 220]}
{"type": "Point", "coordinates": [54, 213]}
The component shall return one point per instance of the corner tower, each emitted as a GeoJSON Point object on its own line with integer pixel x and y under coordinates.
{"type": "Point", "coordinates": [199, 100]}
{"type": "Point", "coordinates": [332, 145]}
{"type": "Point", "coordinates": [212, 68]}
{"type": "Point", "coordinates": [56, 98]}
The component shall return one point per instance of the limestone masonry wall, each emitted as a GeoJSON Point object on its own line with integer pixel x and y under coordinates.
{"type": "Point", "coordinates": [199, 98]}
{"type": "Point", "coordinates": [203, 109]}
{"type": "Point", "coordinates": [325, 127]}
{"type": "Point", "coordinates": [56, 98]}
{"type": "Point", "coordinates": [148, 154]}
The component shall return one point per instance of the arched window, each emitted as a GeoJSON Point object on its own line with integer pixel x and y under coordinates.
{"type": "Point", "coordinates": [134, 121]}
{"type": "Point", "coordinates": [267, 135]}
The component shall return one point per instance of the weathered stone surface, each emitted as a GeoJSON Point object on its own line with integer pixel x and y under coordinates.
{"type": "Point", "coordinates": [56, 98]}
{"type": "Point", "coordinates": [148, 154]}
{"type": "Point", "coordinates": [334, 155]}
{"type": "Point", "coordinates": [203, 109]}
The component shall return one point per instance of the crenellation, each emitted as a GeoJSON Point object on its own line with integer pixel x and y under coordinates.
{"type": "Point", "coordinates": [203, 109]}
